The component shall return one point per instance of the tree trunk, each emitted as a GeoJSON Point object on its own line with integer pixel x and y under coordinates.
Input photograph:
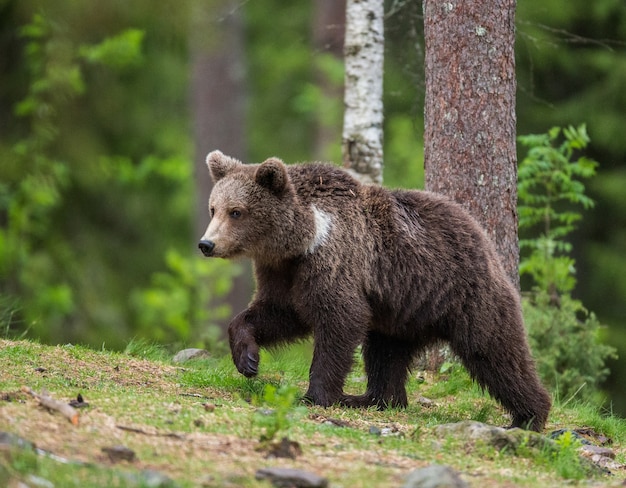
{"type": "Point", "coordinates": [329, 27]}
{"type": "Point", "coordinates": [362, 144]}
{"type": "Point", "coordinates": [218, 96]}
{"type": "Point", "coordinates": [469, 137]}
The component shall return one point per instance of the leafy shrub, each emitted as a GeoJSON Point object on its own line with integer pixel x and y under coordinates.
{"type": "Point", "coordinates": [175, 307]}
{"type": "Point", "coordinates": [566, 340]}
{"type": "Point", "coordinates": [565, 459]}
{"type": "Point", "coordinates": [281, 410]}
{"type": "Point", "coordinates": [565, 337]}
{"type": "Point", "coordinates": [37, 281]}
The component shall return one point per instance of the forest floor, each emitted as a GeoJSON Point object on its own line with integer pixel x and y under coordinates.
{"type": "Point", "coordinates": [145, 421]}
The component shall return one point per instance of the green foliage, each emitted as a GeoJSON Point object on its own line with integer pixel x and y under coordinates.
{"type": "Point", "coordinates": [560, 328]}
{"type": "Point", "coordinates": [565, 459]}
{"type": "Point", "coordinates": [96, 181]}
{"type": "Point", "coordinates": [279, 410]}
{"type": "Point", "coordinates": [175, 307]}
{"type": "Point", "coordinates": [8, 313]}
{"type": "Point", "coordinates": [404, 153]}
{"type": "Point", "coordinates": [144, 349]}
{"type": "Point", "coordinates": [548, 177]}
{"type": "Point", "coordinates": [120, 51]}
{"type": "Point", "coordinates": [282, 114]}
{"type": "Point", "coordinates": [37, 181]}
{"type": "Point", "coordinates": [571, 66]}
{"type": "Point", "coordinates": [456, 379]}
{"type": "Point", "coordinates": [314, 104]}
{"type": "Point", "coordinates": [568, 347]}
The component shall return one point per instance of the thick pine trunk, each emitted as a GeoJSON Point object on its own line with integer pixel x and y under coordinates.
{"type": "Point", "coordinates": [469, 138]}
{"type": "Point", "coordinates": [362, 142]}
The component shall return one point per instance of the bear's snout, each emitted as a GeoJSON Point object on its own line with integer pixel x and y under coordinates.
{"type": "Point", "coordinates": [206, 247]}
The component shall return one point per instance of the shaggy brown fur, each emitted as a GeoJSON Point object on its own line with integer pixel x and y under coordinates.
{"type": "Point", "coordinates": [352, 264]}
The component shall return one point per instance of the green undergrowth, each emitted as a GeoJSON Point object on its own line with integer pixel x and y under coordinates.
{"type": "Point", "coordinates": [203, 424]}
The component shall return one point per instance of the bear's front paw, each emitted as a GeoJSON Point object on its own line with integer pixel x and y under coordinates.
{"type": "Point", "coordinates": [246, 358]}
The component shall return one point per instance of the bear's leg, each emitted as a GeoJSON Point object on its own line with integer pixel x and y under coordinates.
{"type": "Point", "coordinates": [332, 361]}
{"type": "Point", "coordinates": [502, 363]}
{"type": "Point", "coordinates": [387, 365]}
{"type": "Point", "coordinates": [262, 324]}
{"type": "Point", "coordinates": [339, 328]}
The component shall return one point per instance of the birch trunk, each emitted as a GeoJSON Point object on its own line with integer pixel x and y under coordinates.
{"type": "Point", "coordinates": [469, 137]}
{"type": "Point", "coordinates": [362, 141]}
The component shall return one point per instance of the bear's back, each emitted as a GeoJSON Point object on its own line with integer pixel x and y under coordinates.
{"type": "Point", "coordinates": [313, 181]}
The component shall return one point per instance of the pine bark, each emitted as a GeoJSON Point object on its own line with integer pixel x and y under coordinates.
{"type": "Point", "coordinates": [362, 141]}
{"type": "Point", "coordinates": [470, 122]}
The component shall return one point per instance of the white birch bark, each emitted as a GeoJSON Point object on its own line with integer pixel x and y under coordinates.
{"type": "Point", "coordinates": [362, 141]}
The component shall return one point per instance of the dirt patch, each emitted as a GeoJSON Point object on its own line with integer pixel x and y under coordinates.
{"type": "Point", "coordinates": [180, 454]}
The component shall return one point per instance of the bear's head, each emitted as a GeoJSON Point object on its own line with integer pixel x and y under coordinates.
{"type": "Point", "coordinates": [254, 211]}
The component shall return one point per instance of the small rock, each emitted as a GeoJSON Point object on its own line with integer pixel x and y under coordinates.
{"type": "Point", "coordinates": [291, 478]}
{"type": "Point", "coordinates": [148, 478]}
{"type": "Point", "coordinates": [602, 457]}
{"type": "Point", "coordinates": [329, 420]}
{"type": "Point", "coordinates": [497, 437]}
{"type": "Point", "coordinates": [191, 353]}
{"type": "Point", "coordinates": [606, 463]}
{"type": "Point", "coordinates": [375, 430]}
{"type": "Point", "coordinates": [558, 433]}
{"type": "Point", "coordinates": [38, 482]}
{"type": "Point", "coordinates": [390, 431]}
{"type": "Point", "coordinates": [119, 453]}
{"type": "Point", "coordinates": [154, 479]}
{"type": "Point", "coordinates": [286, 448]}
{"type": "Point", "coordinates": [8, 440]}
{"type": "Point", "coordinates": [425, 402]}
{"type": "Point", "coordinates": [589, 451]}
{"type": "Point", "coordinates": [435, 476]}
{"type": "Point", "coordinates": [336, 422]}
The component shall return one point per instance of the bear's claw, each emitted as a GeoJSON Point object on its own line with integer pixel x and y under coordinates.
{"type": "Point", "coordinates": [248, 365]}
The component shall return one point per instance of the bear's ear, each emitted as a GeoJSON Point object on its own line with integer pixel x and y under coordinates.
{"type": "Point", "coordinates": [272, 174]}
{"type": "Point", "coordinates": [220, 165]}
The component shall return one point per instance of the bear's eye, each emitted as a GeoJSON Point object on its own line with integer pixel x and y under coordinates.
{"type": "Point", "coordinates": [212, 211]}
{"type": "Point", "coordinates": [235, 214]}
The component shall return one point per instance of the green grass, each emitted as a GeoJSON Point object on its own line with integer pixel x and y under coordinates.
{"type": "Point", "coordinates": [202, 423]}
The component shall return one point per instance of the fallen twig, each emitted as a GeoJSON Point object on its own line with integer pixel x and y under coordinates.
{"type": "Point", "coordinates": [47, 401]}
{"type": "Point", "coordinates": [136, 430]}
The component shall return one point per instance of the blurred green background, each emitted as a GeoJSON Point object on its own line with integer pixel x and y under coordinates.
{"type": "Point", "coordinates": [106, 111]}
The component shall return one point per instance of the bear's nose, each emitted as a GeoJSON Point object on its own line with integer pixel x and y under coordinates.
{"type": "Point", "coordinates": [206, 247]}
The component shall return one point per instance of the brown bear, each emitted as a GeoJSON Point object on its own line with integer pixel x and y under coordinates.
{"type": "Point", "coordinates": [395, 271]}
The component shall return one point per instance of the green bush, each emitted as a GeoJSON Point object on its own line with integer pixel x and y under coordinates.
{"type": "Point", "coordinates": [564, 336]}
{"type": "Point", "coordinates": [179, 305]}
{"type": "Point", "coordinates": [566, 340]}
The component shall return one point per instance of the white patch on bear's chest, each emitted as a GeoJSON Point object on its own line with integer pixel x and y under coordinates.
{"type": "Point", "coordinates": [323, 226]}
